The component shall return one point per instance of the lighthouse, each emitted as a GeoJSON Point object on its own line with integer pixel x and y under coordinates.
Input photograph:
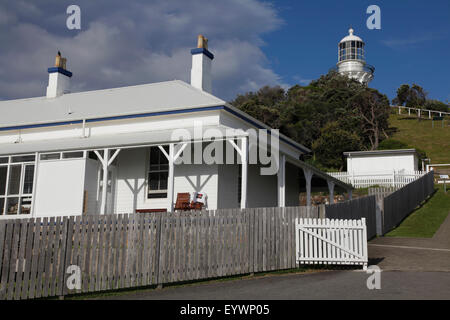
{"type": "Point", "coordinates": [351, 59]}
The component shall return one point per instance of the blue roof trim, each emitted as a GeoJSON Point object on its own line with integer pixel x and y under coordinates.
{"type": "Point", "coordinates": [206, 52]}
{"type": "Point", "coordinates": [152, 114]}
{"type": "Point", "coordinates": [131, 116]}
{"type": "Point", "coordinates": [60, 70]}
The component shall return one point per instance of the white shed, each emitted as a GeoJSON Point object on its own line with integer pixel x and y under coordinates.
{"type": "Point", "coordinates": [400, 160]}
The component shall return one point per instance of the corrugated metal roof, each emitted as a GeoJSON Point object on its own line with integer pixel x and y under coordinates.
{"type": "Point", "coordinates": [155, 97]}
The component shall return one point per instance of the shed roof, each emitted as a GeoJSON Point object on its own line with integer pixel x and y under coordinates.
{"type": "Point", "coordinates": [379, 152]}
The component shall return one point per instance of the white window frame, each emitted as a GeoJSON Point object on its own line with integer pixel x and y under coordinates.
{"type": "Point", "coordinates": [21, 195]}
{"type": "Point", "coordinates": [149, 170]}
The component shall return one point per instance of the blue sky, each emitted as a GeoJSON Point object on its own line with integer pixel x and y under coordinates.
{"type": "Point", "coordinates": [413, 45]}
{"type": "Point", "coordinates": [256, 42]}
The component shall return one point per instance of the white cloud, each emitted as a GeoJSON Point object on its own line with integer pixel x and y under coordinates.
{"type": "Point", "coordinates": [131, 42]}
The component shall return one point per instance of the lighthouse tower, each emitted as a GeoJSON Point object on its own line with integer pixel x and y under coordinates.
{"type": "Point", "coordinates": [351, 59]}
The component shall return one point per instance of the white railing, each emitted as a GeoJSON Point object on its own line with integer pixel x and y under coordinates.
{"type": "Point", "coordinates": [395, 179]}
{"type": "Point", "coordinates": [325, 241]}
{"type": "Point", "coordinates": [421, 112]}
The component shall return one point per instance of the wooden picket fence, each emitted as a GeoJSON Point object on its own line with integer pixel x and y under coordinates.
{"type": "Point", "coordinates": [125, 251]}
{"type": "Point", "coordinates": [325, 241]}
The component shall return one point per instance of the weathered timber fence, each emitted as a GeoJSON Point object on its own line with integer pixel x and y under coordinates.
{"type": "Point", "coordinates": [124, 251]}
{"type": "Point", "coordinates": [356, 209]}
{"type": "Point", "coordinates": [399, 204]}
{"type": "Point", "coordinates": [384, 208]}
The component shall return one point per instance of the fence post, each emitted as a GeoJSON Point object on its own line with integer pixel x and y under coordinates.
{"type": "Point", "coordinates": [379, 203]}
{"type": "Point", "coordinates": [393, 179]}
{"type": "Point", "coordinates": [68, 233]}
{"type": "Point", "coordinates": [251, 230]}
{"type": "Point", "coordinates": [158, 251]}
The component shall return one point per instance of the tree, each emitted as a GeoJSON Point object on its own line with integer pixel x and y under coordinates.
{"type": "Point", "coordinates": [333, 142]}
{"type": "Point", "coordinates": [373, 109]}
{"type": "Point", "coordinates": [301, 112]}
{"type": "Point", "coordinates": [437, 105]}
{"type": "Point", "coordinates": [402, 95]}
{"type": "Point", "coordinates": [414, 96]}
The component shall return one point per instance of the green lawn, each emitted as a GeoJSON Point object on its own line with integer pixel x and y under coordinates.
{"type": "Point", "coordinates": [426, 220]}
{"type": "Point", "coordinates": [420, 134]}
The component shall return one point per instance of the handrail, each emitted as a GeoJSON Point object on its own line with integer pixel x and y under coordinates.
{"type": "Point", "coordinates": [419, 109]}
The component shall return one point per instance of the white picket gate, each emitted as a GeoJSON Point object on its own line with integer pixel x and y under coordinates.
{"type": "Point", "coordinates": [326, 241]}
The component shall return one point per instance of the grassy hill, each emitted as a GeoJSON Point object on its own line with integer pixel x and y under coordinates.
{"type": "Point", "coordinates": [426, 220]}
{"type": "Point", "coordinates": [420, 134]}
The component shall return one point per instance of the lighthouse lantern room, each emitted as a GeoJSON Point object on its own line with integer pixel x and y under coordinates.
{"type": "Point", "coordinates": [351, 59]}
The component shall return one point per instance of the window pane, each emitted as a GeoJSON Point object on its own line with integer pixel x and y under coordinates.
{"type": "Point", "coordinates": [2, 205]}
{"type": "Point", "coordinates": [153, 182]}
{"type": "Point", "coordinates": [14, 179]}
{"type": "Point", "coordinates": [25, 205]}
{"type": "Point", "coordinates": [28, 180]}
{"type": "Point", "coordinates": [72, 155]}
{"type": "Point", "coordinates": [50, 156]}
{"type": "Point", "coordinates": [154, 155]}
{"type": "Point", "coordinates": [23, 159]}
{"type": "Point", "coordinates": [163, 180]}
{"type": "Point", "coordinates": [12, 205]}
{"type": "Point", "coordinates": [3, 173]}
{"type": "Point", "coordinates": [3, 160]}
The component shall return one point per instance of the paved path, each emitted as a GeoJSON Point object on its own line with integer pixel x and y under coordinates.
{"type": "Point", "coordinates": [418, 254]}
{"type": "Point", "coordinates": [319, 285]}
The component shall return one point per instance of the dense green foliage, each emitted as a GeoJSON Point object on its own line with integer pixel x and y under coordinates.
{"type": "Point", "coordinates": [331, 115]}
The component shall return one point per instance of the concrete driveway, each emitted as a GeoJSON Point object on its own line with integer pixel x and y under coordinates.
{"type": "Point", "coordinates": [413, 254]}
{"type": "Point", "coordinates": [318, 285]}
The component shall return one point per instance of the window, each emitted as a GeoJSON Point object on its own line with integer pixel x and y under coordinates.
{"type": "Point", "coordinates": [16, 186]}
{"type": "Point", "coordinates": [14, 179]}
{"type": "Point", "coordinates": [3, 160]}
{"type": "Point", "coordinates": [28, 179]}
{"type": "Point", "coordinates": [23, 159]}
{"type": "Point", "coordinates": [158, 173]}
{"type": "Point", "coordinates": [63, 155]}
{"type": "Point", "coordinates": [50, 156]}
{"type": "Point", "coordinates": [73, 155]}
{"type": "Point", "coordinates": [3, 173]}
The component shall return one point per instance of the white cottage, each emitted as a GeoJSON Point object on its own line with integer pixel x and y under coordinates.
{"type": "Point", "coordinates": [119, 150]}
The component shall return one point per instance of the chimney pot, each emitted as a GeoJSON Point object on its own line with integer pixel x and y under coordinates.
{"type": "Point", "coordinates": [201, 76]}
{"type": "Point", "coordinates": [202, 42]}
{"type": "Point", "coordinates": [59, 78]}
